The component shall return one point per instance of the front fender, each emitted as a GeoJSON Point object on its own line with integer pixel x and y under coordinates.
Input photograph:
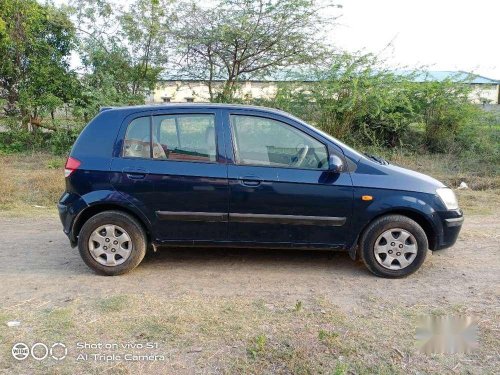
{"type": "Point", "coordinates": [385, 202]}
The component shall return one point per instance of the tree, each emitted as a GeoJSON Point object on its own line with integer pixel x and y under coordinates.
{"type": "Point", "coordinates": [146, 29]}
{"type": "Point", "coordinates": [35, 44]}
{"type": "Point", "coordinates": [236, 39]}
{"type": "Point", "coordinates": [123, 51]}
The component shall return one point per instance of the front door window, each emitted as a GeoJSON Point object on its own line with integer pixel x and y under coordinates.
{"type": "Point", "coordinates": [262, 141]}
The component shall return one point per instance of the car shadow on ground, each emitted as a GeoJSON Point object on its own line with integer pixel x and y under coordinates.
{"type": "Point", "coordinates": [241, 258]}
{"type": "Point", "coordinates": [49, 254]}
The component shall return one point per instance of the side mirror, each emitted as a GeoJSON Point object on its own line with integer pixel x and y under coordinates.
{"type": "Point", "coordinates": [335, 164]}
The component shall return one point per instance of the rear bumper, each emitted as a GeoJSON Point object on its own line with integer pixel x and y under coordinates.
{"type": "Point", "coordinates": [451, 222]}
{"type": "Point", "coordinates": [69, 206]}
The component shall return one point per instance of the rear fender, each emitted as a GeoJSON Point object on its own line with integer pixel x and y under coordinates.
{"type": "Point", "coordinates": [102, 200]}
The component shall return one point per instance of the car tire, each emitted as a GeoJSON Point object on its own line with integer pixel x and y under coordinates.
{"type": "Point", "coordinates": [133, 244]}
{"type": "Point", "coordinates": [407, 250]}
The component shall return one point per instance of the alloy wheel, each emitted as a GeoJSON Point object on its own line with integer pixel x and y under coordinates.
{"type": "Point", "coordinates": [110, 245]}
{"type": "Point", "coordinates": [395, 249]}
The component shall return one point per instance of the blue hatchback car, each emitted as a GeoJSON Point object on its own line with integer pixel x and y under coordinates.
{"type": "Point", "coordinates": [242, 176]}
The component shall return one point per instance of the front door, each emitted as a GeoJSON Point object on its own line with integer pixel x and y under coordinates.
{"type": "Point", "coordinates": [280, 189]}
{"type": "Point", "coordinates": [172, 169]}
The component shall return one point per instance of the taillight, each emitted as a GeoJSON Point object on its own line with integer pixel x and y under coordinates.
{"type": "Point", "coordinates": [72, 165]}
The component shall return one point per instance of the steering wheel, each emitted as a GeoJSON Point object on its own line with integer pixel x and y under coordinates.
{"type": "Point", "coordinates": [302, 151]}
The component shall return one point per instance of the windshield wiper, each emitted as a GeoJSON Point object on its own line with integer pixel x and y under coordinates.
{"type": "Point", "coordinates": [378, 159]}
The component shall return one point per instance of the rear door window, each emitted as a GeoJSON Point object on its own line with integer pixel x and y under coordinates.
{"type": "Point", "coordinates": [138, 139]}
{"type": "Point", "coordinates": [189, 137]}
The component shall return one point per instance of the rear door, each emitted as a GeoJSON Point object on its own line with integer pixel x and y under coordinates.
{"type": "Point", "coordinates": [280, 189]}
{"type": "Point", "coordinates": [173, 167]}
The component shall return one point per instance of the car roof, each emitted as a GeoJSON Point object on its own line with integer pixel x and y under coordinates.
{"type": "Point", "coordinates": [154, 107]}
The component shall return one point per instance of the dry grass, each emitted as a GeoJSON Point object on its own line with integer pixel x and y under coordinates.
{"type": "Point", "coordinates": [236, 336]}
{"type": "Point", "coordinates": [484, 202]}
{"type": "Point", "coordinates": [27, 181]}
{"type": "Point", "coordinates": [483, 195]}
{"type": "Point", "coordinates": [452, 170]}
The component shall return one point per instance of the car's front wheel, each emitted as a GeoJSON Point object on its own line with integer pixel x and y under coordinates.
{"type": "Point", "coordinates": [112, 243]}
{"type": "Point", "coordinates": [393, 246]}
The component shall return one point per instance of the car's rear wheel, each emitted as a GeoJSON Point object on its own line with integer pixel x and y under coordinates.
{"type": "Point", "coordinates": [393, 246]}
{"type": "Point", "coordinates": [112, 243]}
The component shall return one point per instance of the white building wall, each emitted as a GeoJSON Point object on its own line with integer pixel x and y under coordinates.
{"type": "Point", "coordinates": [181, 91]}
{"type": "Point", "coordinates": [488, 94]}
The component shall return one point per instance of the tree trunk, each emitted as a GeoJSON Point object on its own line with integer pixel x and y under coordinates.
{"type": "Point", "coordinates": [36, 122]}
{"type": "Point", "coordinates": [228, 90]}
{"type": "Point", "coordinates": [25, 119]}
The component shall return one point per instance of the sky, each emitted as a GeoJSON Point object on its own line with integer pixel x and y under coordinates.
{"type": "Point", "coordinates": [441, 34]}
{"type": "Point", "coordinates": [437, 34]}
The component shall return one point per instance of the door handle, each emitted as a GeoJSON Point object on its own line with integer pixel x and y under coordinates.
{"type": "Point", "coordinates": [251, 181]}
{"type": "Point", "coordinates": [135, 173]}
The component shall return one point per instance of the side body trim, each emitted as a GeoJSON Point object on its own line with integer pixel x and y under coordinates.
{"type": "Point", "coordinates": [288, 219]}
{"type": "Point", "coordinates": [251, 218]}
{"type": "Point", "coordinates": [192, 216]}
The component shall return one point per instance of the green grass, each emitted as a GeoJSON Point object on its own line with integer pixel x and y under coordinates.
{"type": "Point", "coordinates": [112, 304]}
{"type": "Point", "coordinates": [57, 323]}
{"type": "Point", "coordinates": [153, 328]}
{"type": "Point", "coordinates": [55, 164]}
{"type": "Point", "coordinates": [257, 346]}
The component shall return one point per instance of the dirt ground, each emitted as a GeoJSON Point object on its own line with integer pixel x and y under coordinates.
{"type": "Point", "coordinates": [245, 311]}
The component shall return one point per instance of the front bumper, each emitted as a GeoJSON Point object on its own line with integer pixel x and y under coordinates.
{"type": "Point", "coordinates": [451, 223]}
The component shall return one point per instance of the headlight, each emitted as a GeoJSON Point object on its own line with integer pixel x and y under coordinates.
{"type": "Point", "coordinates": [448, 198]}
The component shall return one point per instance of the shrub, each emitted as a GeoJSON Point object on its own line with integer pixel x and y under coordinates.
{"type": "Point", "coordinates": [61, 141]}
{"type": "Point", "coordinates": [354, 97]}
{"type": "Point", "coordinates": [16, 139]}
{"type": "Point", "coordinates": [445, 109]}
{"type": "Point", "coordinates": [358, 100]}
